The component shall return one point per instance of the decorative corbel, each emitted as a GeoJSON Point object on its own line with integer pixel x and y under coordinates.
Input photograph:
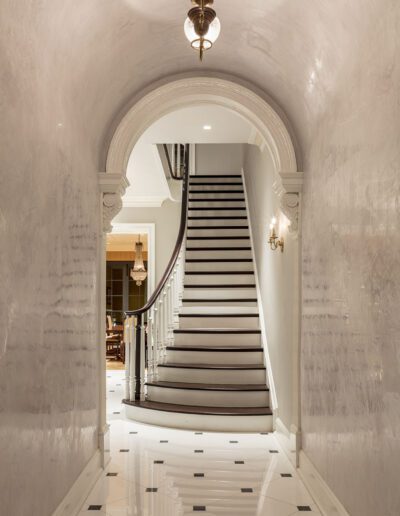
{"type": "Point", "coordinates": [288, 187]}
{"type": "Point", "coordinates": [112, 188]}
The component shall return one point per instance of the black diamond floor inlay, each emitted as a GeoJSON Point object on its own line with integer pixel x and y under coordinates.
{"type": "Point", "coordinates": [304, 508]}
{"type": "Point", "coordinates": [246, 490]}
{"type": "Point", "coordinates": [233, 442]}
{"type": "Point", "coordinates": [286, 475]}
{"type": "Point", "coordinates": [158, 462]}
{"type": "Point", "coordinates": [123, 451]}
{"type": "Point", "coordinates": [263, 433]}
{"type": "Point", "coordinates": [95, 507]}
{"type": "Point", "coordinates": [116, 412]}
{"type": "Point", "coordinates": [112, 474]}
{"type": "Point", "coordinates": [198, 433]}
{"type": "Point", "coordinates": [198, 451]}
{"type": "Point", "coordinates": [273, 451]}
{"type": "Point", "coordinates": [199, 508]}
{"type": "Point", "coordinates": [163, 441]}
{"type": "Point", "coordinates": [133, 432]}
{"type": "Point", "coordinates": [151, 489]}
{"type": "Point", "coordinates": [199, 475]}
{"type": "Point", "coordinates": [239, 461]}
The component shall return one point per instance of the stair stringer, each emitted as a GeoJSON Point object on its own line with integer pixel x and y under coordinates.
{"type": "Point", "coordinates": [264, 339]}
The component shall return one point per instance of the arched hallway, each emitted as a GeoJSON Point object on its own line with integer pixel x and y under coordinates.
{"type": "Point", "coordinates": [70, 72]}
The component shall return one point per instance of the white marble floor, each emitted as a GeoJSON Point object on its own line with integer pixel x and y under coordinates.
{"type": "Point", "coordinates": [162, 472]}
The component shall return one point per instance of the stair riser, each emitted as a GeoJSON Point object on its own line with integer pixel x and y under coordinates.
{"type": "Point", "coordinates": [216, 204]}
{"type": "Point", "coordinates": [219, 266]}
{"type": "Point", "coordinates": [219, 279]}
{"type": "Point", "coordinates": [219, 322]}
{"type": "Point", "coordinates": [200, 422]}
{"type": "Point", "coordinates": [198, 303]}
{"type": "Point", "coordinates": [214, 357]}
{"type": "Point", "coordinates": [227, 243]}
{"type": "Point", "coordinates": [209, 188]}
{"type": "Point", "coordinates": [209, 398]}
{"type": "Point", "coordinates": [208, 255]}
{"type": "Point", "coordinates": [218, 222]}
{"type": "Point", "coordinates": [221, 376]}
{"type": "Point", "coordinates": [221, 293]}
{"type": "Point", "coordinates": [215, 196]}
{"type": "Point", "coordinates": [213, 339]}
{"type": "Point", "coordinates": [210, 232]}
{"type": "Point", "coordinates": [226, 212]}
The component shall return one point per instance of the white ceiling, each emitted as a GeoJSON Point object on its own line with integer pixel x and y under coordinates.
{"type": "Point", "coordinates": [148, 185]}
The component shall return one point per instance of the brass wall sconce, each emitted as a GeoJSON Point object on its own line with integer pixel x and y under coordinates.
{"type": "Point", "coordinates": [274, 241]}
{"type": "Point", "coordinates": [202, 27]}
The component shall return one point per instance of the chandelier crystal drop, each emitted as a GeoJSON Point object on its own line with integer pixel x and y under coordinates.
{"type": "Point", "coordinates": [202, 26]}
{"type": "Point", "coordinates": [138, 272]}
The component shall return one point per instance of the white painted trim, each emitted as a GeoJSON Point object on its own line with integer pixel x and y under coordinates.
{"type": "Point", "coordinates": [123, 228]}
{"type": "Point", "coordinates": [289, 440]}
{"type": "Point", "coordinates": [271, 383]}
{"type": "Point", "coordinates": [327, 501]}
{"type": "Point", "coordinates": [192, 159]}
{"type": "Point", "coordinates": [142, 202]}
{"type": "Point", "coordinates": [76, 496]}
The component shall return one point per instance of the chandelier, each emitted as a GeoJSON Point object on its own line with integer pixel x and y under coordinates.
{"type": "Point", "coordinates": [202, 27]}
{"type": "Point", "coordinates": [138, 272]}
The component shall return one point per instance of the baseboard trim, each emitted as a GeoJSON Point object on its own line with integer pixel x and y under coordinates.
{"type": "Point", "coordinates": [289, 440]}
{"type": "Point", "coordinates": [326, 500]}
{"type": "Point", "coordinates": [73, 501]}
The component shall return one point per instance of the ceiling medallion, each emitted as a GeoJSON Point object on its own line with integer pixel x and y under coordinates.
{"type": "Point", "coordinates": [202, 27]}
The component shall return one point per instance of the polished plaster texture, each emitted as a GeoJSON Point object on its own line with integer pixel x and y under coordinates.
{"type": "Point", "coordinates": [165, 472]}
{"type": "Point", "coordinates": [68, 73]}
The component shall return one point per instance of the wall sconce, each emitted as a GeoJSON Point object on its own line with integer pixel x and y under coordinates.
{"type": "Point", "coordinates": [274, 241]}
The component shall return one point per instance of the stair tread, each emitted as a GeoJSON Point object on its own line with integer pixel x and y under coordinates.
{"type": "Point", "coordinates": [218, 248]}
{"type": "Point", "coordinates": [217, 300]}
{"type": "Point", "coordinates": [209, 387]}
{"type": "Point", "coordinates": [211, 411]}
{"type": "Point", "coordinates": [190, 365]}
{"type": "Point", "coordinates": [196, 176]}
{"type": "Point", "coordinates": [211, 228]}
{"type": "Point", "coordinates": [222, 286]}
{"type": "Point", "coordinates": [219, 273]}
{"type": "Point", "coordinates": [214, 349]}
{"type": "Point", "coordinates": [220, 315]}
{"type": "Point", "coordinates": [219, 331]}
{"type": "Point", "coordinates": [231, 237]}
{"type": "Point", "coordinates": [239, 199]}
{"type": "Point", "coordinates": [216, 191]}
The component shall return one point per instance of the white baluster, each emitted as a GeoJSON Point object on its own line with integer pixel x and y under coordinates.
{"type": "Point", "coordinates": [150, 347]}
{"type": "Point", "coordinates": [143, 375]}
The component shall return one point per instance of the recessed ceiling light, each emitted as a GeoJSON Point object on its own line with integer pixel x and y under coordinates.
{"type": "Point", "coordinates": [207, 127]}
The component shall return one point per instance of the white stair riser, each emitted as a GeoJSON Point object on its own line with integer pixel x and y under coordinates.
{"type": "Point", "coordinates": [208, 255]}
{"type": "Point", "coordinates": [219, 243]}
{"type": "Point", "coordinates": [194, 187]}
{"type": "Point", "coordinates": [223, 311]}
{"type": "Point", "coordinates": [212, 178]}
{"type": "Point", "coordinates": [195, 304]}
{"type": "Point", "coordinates": [215, 196]}
{"type": "Point", "coordinates": [214, 357]}
{"type": "Point", "coordinates": [220, 376]}
{"type": "Point", "coordinates": [219, 279]}
{"type": "Point", "coordinates": [219, 322]}
{"type": "Point", "coordinates": [230, 339]}
{"type": "Point", "coordinates": [226, 212]}
{"type": "Point", "coordinates": [217, 204]}
{"type": "Point", "coordinates": [220, 293]}
{"type": "Point", "coordinates": [200, 422]}
{"type": "Point", "coordinates": [219, 266]}
{"type": "Point", "coordinates": [210, 232]}
{"type": "Point", "coordinates": [218, 222]}
{"type": "Point", "coordinates": [209, 398]}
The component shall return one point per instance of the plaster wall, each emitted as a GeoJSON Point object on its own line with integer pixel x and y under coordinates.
{"type": "Point", "coordinates": [49, 227]}
{"type": "Point", "coordinates": [166, 219]}
{"type": "Point", "coordinates": [278, 279]}
{"type": "Point", "coordinates": [219, 158]}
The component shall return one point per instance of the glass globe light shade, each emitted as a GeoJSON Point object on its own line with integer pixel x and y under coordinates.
{"type": "Point", "coordinates": [211, 36]}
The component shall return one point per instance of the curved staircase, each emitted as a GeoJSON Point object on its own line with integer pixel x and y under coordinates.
{"type": "Point", "coordinates": [212, 376]}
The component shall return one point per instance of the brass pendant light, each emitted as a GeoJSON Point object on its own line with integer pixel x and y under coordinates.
{"type": "Point", "coordinates": [202, 26]}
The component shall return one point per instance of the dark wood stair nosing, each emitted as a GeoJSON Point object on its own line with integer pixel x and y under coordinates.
{"type": "Point", "coordinates": [212, 228]}
{"type": "Point", "coordinates": [218, 367]}
{"type": "Point", "coordinates": [197, 176]}
{"type": "Point", "coordinates": [218, 300]}
{"type": "Point", "coordinates": [218, 260]}
{"type": "Point", "coordinates": [217, 192]}
{"type": "Point", "coordinates": [217, 208]}
{"type": "Point", "coordinates": [230, 237]}
{"type": "Point", "coordinates": [202, 411]}
{"type": "Point", "coordinates": [219, 273]}
{"type": "Point", "coordinates": [221, 286]}
{"type": "Point", "coordinates": [210, 387]}
{"type": "Point", "coordinates": [217, 349]}
{"type": "Point", "coordinates": [219, 315]}
{"type": "Point", "coordinates": [218, 248]}
{"type": "Point", "coordinates": [239, 199]}
{"type": "Point", "coordinates": [218, 331]}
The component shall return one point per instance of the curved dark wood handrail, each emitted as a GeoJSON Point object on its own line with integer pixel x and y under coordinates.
{"type": "Point", "coordinates": [178, 245]}
{"type": "Point", "coordinates": [173, 175]}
